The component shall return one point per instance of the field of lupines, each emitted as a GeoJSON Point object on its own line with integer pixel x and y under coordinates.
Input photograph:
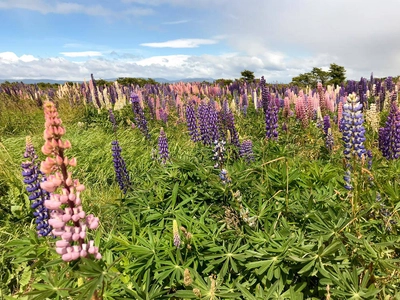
{"type": "Point", "coordinates": [199, 191]}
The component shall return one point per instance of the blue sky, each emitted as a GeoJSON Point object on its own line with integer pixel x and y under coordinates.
{"type": "Point", "coordinates": [56, 39]}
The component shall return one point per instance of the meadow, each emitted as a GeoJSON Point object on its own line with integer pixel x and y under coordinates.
{"type": "Point", "coordinates": [200, 191]}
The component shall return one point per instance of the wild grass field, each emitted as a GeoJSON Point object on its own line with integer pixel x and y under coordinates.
{"type": "Point", "coordinates": [298, 200]}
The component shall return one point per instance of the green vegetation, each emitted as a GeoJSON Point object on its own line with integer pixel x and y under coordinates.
{"type": "Point", "coordinates": [283, 228]}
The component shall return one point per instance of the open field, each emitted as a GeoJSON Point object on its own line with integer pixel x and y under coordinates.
{"type": "Point", "coordinates": [283, 207]}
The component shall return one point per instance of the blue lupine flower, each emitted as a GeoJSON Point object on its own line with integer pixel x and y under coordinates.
{"type": "Point", "coordinates": [223, 175]}
{"type": "Point", "coordinates": [32, 178]}
{"type": "Point", "coordinates": [353, 129]}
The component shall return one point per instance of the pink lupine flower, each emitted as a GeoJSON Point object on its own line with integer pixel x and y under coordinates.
{"type": "Point", "coordinates": [67, 217]}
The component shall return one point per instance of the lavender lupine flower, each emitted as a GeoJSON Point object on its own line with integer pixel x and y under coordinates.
{"type": "Point", "coordinates": [389, 136]}
{"type": "Point", "coordinates": [271, 121]}
{"type": "Point", "coordinates": [140, 118]}
{"type": "Point", "coordinates": [246, 151]}
{"type": "Point", "coordinates": [327, 124]}
{"type": "Point", "coordinates": [219, 154]}
{"type": "Point", "coordinates": [121, 173]}
{"type": "Point", "coordinates": [191, 121]}
{"type": "Point", "coordinates": [353, 128]}
{"type": "Point", "coordinates": [32, 178]}
{"type": "Point", "coordinates": [163, 146]}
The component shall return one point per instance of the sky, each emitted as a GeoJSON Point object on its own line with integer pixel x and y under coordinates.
{"type": "Point", "coordinates": [175, 39]}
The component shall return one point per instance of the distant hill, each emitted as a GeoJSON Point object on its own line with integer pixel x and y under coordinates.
{"type": "Point", "coordinates": [160, 80]}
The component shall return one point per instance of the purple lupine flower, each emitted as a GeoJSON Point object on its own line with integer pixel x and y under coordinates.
{"type": "Point", "coordinates": [219, 154]}
{"type": "Point", "coordinates": [32, 178]}
{"type": "Point", "coordinates": [353, 128]}
{"type": "Point", "coordinates": [230, 125]}
{"type": "Point", "coordinates": [329, 142]}
{"type": "Point", "coordinates": [245, 104]}
{"type": "Point", "coordinates": [140, 118]}
{"type": "Point", "coordinates": [121, 173]}
{"type": "Point", "coordinates": [246, 151]}
{"type": "Point", "coordinates": [164, 115]}
{"type": "Point", "coordinates": [389, 136]}
{"type": "Point", "coordinates": [327, 124]}
{"type": "Point", "coordinates": [96, 95]}
{"type": "Point", "coordinates": [191, 121]}
{"type": "Point", "coordinates": [111, 117]}
{"type": "Point", "coordinates": [213, 129]}
{"type": "Point", "coordinates": [163, 146]}
{"type": "Point", "coordinates": [203, 113]}
{"type": "Point", "coordinates": [264, 94]}
{"type": "Point", "coordinates": [271, 121]}
{"type": "Point", "coordinates": [389, 84]}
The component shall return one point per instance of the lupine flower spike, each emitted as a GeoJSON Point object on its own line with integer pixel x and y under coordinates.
{"type": "Point", "coordinates": [32, 178]}
{"type": "Point", "coordinates": [163, 146]}
{"type": "Point", "coordinates": [68, 218]}
{"type": "Point", "coordinates": [121, 172]}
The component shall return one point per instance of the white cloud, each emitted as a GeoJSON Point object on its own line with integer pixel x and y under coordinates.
{"type": "Point", "coordinates": [11, 57]}
{"type": "Point", "coordinates": [57, 7]}
{"type": "Point", "coordinates": [180, 43]}
{"type": "Point", "coordinates": [81, 53]}
{"type": "Point", "coordinates": [176, 22]}
{"type": "Point", "coordinates": [227, 65]}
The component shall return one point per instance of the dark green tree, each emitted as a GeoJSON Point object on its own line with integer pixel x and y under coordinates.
{"type": "Point", "coordinates": [337, 74]}
{"type": "Point", "coordinates": [319, 75]}
{"type": "Point", "coordinates": [247, 75]}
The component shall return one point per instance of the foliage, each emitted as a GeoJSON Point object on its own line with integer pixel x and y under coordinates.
{"type": "Point", "coordinates": [284, 227]}
{"type": "Point", "coordinates": [335, 76]}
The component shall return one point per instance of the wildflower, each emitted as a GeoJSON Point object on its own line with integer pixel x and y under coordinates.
{"type": "Point", "coordinates": [389, 136]}
{"type": "Point", "coordinates": [163, 146]}
{"type": "Point", "coordinates": [32, 178]}
{"type": "Point", "coordinates": [192, 123]}
{"type": "Point", "coordinates": [121, 172]}
{"type": "Point", "coordinates": [219, 154]}
{"type": "Point", "coordinates": [353, 129]}
{"type": "Point", "coordinates": [67, 217]}
{"type": "Point", "coordinates": [140, 118]}
{"type": "Point", "coordinates": [246, 151]}
{"type": "Point", "coordinates": [176, 235]}
{"type": "Point", "coordinates": [223, 175]}
{"type": "Point", "coordinates": [271, 121]}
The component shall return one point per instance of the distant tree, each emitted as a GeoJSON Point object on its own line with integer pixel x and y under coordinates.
{"type": "Point", "coordinates": [337, 74]}
{"type": "Point", "coordinates": [247, 75]}
{"type": "Point", "coordinates": [223, 82]}
{"type": "Point", "coordinates": [319, 75]}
